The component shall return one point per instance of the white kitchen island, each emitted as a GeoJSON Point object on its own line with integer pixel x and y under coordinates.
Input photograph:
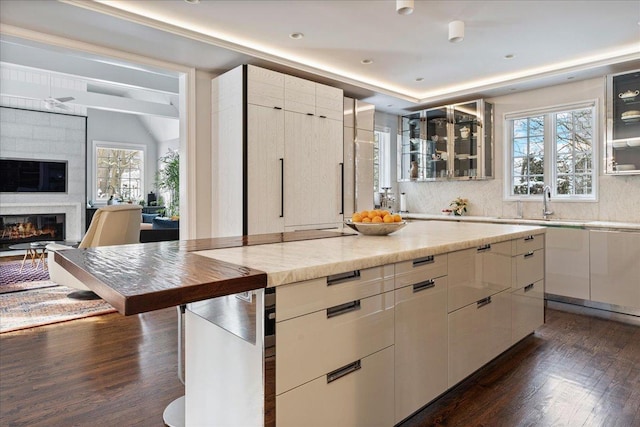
{"type": "Point", "coordinates": [360, 330]}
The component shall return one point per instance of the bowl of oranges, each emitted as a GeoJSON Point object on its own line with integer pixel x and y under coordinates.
{"type": "Point", "coordinates": [375, 222]}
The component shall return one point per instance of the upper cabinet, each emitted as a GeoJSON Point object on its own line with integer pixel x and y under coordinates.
{"type": "Point", "coordinates": [623, 124]}
{"type": "Point", "coordinates": [449, 142]}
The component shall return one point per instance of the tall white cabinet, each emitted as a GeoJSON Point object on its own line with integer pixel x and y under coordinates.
{"type": "Point", "coordinates": [277, 148]}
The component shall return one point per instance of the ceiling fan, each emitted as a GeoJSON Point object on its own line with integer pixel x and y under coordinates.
{"type": "Point", "coordinates": [51, 103]}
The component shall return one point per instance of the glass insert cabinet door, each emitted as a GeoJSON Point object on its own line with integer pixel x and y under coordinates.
{"type": "Point", "coordinates": [623, 124]}
{"type": "Point", "coordinates": [449, 142]}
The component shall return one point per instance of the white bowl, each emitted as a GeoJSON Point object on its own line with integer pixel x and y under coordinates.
{"type": "Point", "coordinates": [377, 229]}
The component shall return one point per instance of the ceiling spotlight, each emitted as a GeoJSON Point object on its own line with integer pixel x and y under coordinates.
{"type": "Point", "coordinates": [192, 1]}
{"type": "Point", "coordinates": [367, 61]}
{"type": "Point", "coordinates": [419, 79]}
{"type": "Point", "coordinates": [296, 36]}
{"type": "Point", "coordinates": [509, 56]}
{"type": "Point", "coordinates": [404, 7]}
{"type": "Point", "coordinates": [456, 31]}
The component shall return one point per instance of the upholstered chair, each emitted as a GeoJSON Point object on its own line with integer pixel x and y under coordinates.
{"type": "Point", "coordinates": [110, 225]}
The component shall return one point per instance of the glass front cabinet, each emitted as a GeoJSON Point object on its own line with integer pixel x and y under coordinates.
{"type": "Point", "coordinates": [450, 142]}
{"type": "Point", "coordinates": [623, 124]}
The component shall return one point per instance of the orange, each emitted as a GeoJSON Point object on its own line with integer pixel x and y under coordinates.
{"type": "Point", "coordinates": [387, 218]}
{"type": "Point", "coordinates": [356, 217]}
{"type": "Point", "coordinates": [372, 214]}
{"type": "Point", "coordinates": [397, 218]}
{"type": "Point", "coordinates": [384, 213]}
{"type": "Point", "coordinates": [376, 219]}
{"type": "Point", "coordinates": [364, 214]}
{"type": "Point", "coordinates": [367, 219]}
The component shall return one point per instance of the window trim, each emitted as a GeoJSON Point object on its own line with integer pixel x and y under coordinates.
{"type": "Point", "coordinates": [95, 144]}
{"type": "Point", "coordinates": [549, 135]}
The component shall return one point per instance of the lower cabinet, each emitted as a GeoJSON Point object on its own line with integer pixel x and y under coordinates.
{"type": "Point", "coordinates": [478, 332]}
{"type": "Point", "coordinates": [567, 262]}
{"type": "Point", "coordinates": [615, 270]}
{"type": "Point", "coordinates": [421, 357]}
{"type": "Point", "coordinates": [527, 310]}
{"type": "Point", "coordinates": [357, 394]}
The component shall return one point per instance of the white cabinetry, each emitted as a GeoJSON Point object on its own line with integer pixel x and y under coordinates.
{"type": "Point", "coordinates": [567, 262]}
{"type": "Point", "coordinates": [478, 332]}
{"type": "Point", "coordinates": [527, 296]}
{"type": "Point", "coordinates": [615, 270]}
{"type": "Point", "coordinates": [421, 357]}
{"type": "Point", "coordinates": [334, 350]}
{"type": "Point", "coordinates": [277, 153]}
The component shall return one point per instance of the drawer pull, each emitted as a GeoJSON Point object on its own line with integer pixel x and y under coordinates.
{"type": "Point", "coordinates": [528, 287]}
{"type": "Point", "coordinates": [343, 309]}
{"type": "Point", "coordinates": [483, 302]}
{"type": "Point", "coordinates": [343, 277]}
{"type": "Point", "coordinates": [345, 370]}
{"type": "Point", "coordinates": [528, 238]}
{"type": "Point", "coordinates": [277, 108]}
{"type": "Point", "coordinates": [484, 247]}
{"type": "Point", "coordinates": [310, 114]}
{"type": "Point", "coordinates": [528, 254]}
{"type": "Point", "coordinates": [425, 260]}
{"type": "Point", "coordinates": [424, 285]}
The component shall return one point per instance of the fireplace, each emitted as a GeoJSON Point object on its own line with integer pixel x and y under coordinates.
{"type": "Point", "coordinates": [31, 228]}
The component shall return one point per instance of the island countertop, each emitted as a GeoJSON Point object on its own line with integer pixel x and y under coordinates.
{"type": "Point", "coordinates": [305, 260]}
{"type": "Point", "coordinates": [150, 276]}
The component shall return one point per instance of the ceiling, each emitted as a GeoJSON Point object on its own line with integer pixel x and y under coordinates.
{"type": "Point", "coordinates": [414, 65]}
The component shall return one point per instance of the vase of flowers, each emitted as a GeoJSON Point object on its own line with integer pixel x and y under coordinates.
{"type": "Point", "coordinates": [459, 206]}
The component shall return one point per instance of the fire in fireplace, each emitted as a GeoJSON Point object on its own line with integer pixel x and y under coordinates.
{"type": "Point", "coordinates": [31, 228]}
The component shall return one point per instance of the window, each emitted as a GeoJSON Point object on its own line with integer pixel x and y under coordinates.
{"type": "Point", "coordinates": [556, 147]}
{"type": "Point", "coordinates": [118, 171]}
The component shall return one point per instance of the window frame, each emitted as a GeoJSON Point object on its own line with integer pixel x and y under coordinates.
{"type": "Point", "coordinates": [550, 151]}
{"type": "Point", "coordinates": [95, 145]}
{"type": "Point", "coordinates": [382, 143]}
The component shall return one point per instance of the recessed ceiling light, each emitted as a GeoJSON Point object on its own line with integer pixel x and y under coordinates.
{"type": "Point", "coordinates": [570, 77]}
{"type": "Point", "coordinates": [512, 89]}
{"type": "Point", "coordinates": [509, 56]}
{"type": "Point", "coordinates": [192, 1]}
{"type": "Point", "coordinates": [419, 79]}
{"type": "Point", "coordinates": [367, 61]}
{"type": "Point", "coordinates": [389, 105]}
{"type": "Point", "coordinates": [296, 36]}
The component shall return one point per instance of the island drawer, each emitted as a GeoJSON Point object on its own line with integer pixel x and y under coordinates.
{"type": "Point", "coordinates": [420, 269]}
{"type": "Point", "coordinates": [361, 395]}
{"type": "Point", "coordinates": [532, 242]}
{"type": "Point", "coordinates": [306, 297]}
{"type": "Point", "coordinates": [529, 268]}
{"type": "Point", "coordinates": [312, 345]}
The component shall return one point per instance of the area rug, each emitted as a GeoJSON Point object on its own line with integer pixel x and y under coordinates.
{"type": "Point", "coordinates": [10, 273]}
{"type": "Point", "coordinates": [28, 309]}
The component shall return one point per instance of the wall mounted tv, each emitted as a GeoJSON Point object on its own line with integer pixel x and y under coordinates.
{"type": "Point", "coordinates": [32, 176]}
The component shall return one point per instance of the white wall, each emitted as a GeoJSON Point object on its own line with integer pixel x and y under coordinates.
{"type": "Point", "coordinates": [46, 136]}
{"type": "Point", "coordinates": [119, 127]}
{"type": "Point", "coordinates": [618, 196]}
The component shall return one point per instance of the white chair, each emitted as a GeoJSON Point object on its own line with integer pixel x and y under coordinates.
{"type": "Point", "coordinates": [110, 225]}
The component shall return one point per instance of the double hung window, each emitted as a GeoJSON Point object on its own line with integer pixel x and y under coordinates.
{"type": "Point", "coordinates": [118, 171]}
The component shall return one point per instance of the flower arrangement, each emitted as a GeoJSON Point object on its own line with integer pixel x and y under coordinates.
{"type": "Point", "coordinates": [459, 206]}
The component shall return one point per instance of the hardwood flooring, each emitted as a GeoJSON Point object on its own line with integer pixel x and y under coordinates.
{"type": "Point", "coordinates": [121, 371]}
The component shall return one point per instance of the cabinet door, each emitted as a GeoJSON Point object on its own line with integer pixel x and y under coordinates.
{"type": "Point", "coordinates": [527, 310]}
{"type": "Point", "coordinates": [420, 345]}
{"type": "Point", "coordinates": [615, 271]}
{"type": "Point", "coordinates": [358, 395]}
{"type": "Point", "coordinates": [567, 262]}
{"type": "Point", "coordinates": [265, 156]}
{"type": "Point", "coordinates": [313, 185]}
{"type": "Point", "coordinates": [477, 334]}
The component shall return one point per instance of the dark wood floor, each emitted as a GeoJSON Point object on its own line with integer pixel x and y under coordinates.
{"type": "Point", "coordinates": [121, 371]}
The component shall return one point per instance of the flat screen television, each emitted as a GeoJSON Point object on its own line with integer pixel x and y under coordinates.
{"type": "Point", "coordinates": [33, 176]}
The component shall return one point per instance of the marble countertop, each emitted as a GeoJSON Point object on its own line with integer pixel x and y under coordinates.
{"type": "Point", "coordinates": [304, 260]}
{"type": "Point", "coordinates": [587, 224]}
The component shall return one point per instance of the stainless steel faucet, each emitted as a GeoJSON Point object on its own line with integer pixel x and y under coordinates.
{"type": "Point", "coordinates": [546, 195]}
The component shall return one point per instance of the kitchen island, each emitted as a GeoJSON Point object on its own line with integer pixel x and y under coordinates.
{"type": "Point", "coordinates": [367, 329]}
